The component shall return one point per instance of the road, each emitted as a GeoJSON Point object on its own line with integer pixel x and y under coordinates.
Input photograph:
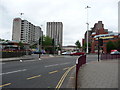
{"type": "Point", "coordinates": [45, 73]}
{"type": "Point", "coordinates": [53, 72]}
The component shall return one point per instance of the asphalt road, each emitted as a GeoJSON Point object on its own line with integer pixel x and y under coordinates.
{"type": "Point", "coordinates": [46, 73]}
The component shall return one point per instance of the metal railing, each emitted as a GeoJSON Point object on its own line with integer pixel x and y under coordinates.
{"type": "Point", "coordinates": [9, 54]}
{"type": "Point", "coordinates": [109, 56]}
{"type": "Point", "coordinates": [79, 62]}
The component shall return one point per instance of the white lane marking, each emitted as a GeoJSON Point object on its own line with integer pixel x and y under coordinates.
{"type": "Point", "coordinates": [13, 72]}
{"type": "Point", "coordinates": [65, 63]}
{"type": "Point", "coordinates": [56, 64]}
{"type": "Point", "coordinates": [52, 65]}
{"type": "Point", "coordinates": [29, 60]}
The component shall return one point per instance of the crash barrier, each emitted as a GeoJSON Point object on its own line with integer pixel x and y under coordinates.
{"type": "Point", "coordinates": [109, 56]}
{"type": "Point", "coordinates": [9, 54]}
{"type": "Point", "coordinates": [79, 62]}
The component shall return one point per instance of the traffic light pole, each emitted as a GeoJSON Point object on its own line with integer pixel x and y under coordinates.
{"type": "Point", "coordinates": [53, 43]}
{"type": "Point", "coordinates": [98, 49]}
{"type": "Point", "coordinates": [39, 48]}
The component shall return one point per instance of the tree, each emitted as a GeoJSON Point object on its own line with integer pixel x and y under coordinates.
{"type": "Point", "coordinates": [20, 44]}
{"type": "Point", "coordinates": [117, 44]}
{"type": "Point", "coordinates": [85, 45]}
{"type": "Point", "coordinates": [110, 46]}
{"type": "Point", "coordinates": [4, 40]}
{"type": "Point", "coordinates": [47, 41]}
{"type": "Point", "coordinates": [77, 43]}
{"type": "Point", "coordinates": [47, 44]}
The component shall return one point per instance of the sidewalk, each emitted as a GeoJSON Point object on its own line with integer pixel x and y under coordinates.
{"type": "Point", "coordinates": [25, 57]}
{"type": "Point", "coordinates": [103, 74]}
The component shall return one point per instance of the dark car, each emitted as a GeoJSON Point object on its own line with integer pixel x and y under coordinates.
{"type": "Point", "coordinates": [77, 53]}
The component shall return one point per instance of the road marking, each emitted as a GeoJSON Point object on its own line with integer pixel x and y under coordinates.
{"type": "Point", "coordinates": [52, 65]}
{"type": "Point", "coordinates": [29, 60]}
{"type": "Point", "coordinates": [33, 77]}
{"type": "Point", "coordinates": [53, 72]}
{"type": "Point", "coordinates": [56, 64]}
{"type": "Point", "coordinates": [63, 77]}
{"type": "Point", "coordinates": [13, 72]}
{"type": "Point", "coordinates": [64, 63]}
{"type": "Point", "coordinates": [66, 68]}
{"type": "Point", "coordinates": [5, 85]}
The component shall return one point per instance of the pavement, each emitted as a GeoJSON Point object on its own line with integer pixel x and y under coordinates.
{"type": "Point", "coordinates": [25, 57]}
{"type": "Point", "coordinates": [103, 74]}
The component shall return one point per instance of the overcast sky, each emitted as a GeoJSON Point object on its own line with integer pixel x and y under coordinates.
{"type": "Point", "coordinates": [71, 12]}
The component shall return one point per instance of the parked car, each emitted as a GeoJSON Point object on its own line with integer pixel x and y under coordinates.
{"type": "Point", "coordinates": [37, 52]}
{"type": "Point", "coordinates": [115, 52]}
{"type": "Point", "coordinates": [77, 53]}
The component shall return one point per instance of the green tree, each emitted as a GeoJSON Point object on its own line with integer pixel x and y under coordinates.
{"type": "Point", "coordinates": [47, 44]}
{"type": "Point", "coordinates": [110, 46]}
{"type": "Point", "coordinates": [77, 43]}
{"type": "Point", "coordinates": [47, 41]}
{"type": "Point", "coordinates": [85, 45]}
{"type": "Point", "coordinates": [21, 45]}
{"type": "Point", "coordinates": [117, 45]}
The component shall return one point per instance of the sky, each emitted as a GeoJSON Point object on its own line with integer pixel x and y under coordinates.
{"type": "Point", "coordinates": [71, 13]}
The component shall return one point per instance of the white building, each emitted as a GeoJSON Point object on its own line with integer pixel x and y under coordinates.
{"type": "Point", "coordinates": [25, 31]}
{"type": "Point", "coordinates": [38, 33]}
{"type": "Point", "coordinates": [55, 31]}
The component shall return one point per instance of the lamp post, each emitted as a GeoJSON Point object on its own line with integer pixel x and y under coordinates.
{"type": "Point", "coordinates": [21, 14]}
{"type": "Point", "coordinates": [87, 29]}
{"type": "Point", "coordinates": [39, 48]}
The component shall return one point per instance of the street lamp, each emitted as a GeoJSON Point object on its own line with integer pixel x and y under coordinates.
{"type": "Point", "coordinates": [87, 28]}
{"type": "Point", "coordinates": [21, 14]}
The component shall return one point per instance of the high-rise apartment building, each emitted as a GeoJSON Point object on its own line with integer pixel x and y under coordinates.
{"type": "Point", "coordinates": [55, 31]}
{"type": "Point", "coordinates": [119, 16]}
{"type": "Point", "coordinates": [25, 31]}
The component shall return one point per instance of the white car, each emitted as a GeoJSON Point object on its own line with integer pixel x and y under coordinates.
{"type": "Point", "coordinates": [115, 52]}
{"type": "Point", "coordinates": [66, 53]}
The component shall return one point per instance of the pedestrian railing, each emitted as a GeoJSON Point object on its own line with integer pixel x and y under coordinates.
{"type": "Point", "coordinates": [79, 62]}
{"type": "Point", "coordinates": [109, 56]}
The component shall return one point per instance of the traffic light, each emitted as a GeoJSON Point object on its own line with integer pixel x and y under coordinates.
{"type": "Point", "coordinates": [53, 41]}
{"type": "Point", "coordinates": [40, 41]}
{"type": "Point", "coordinates": [100, 42]}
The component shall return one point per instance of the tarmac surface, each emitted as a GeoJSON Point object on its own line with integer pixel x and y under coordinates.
{"type": "Point", "coordinates": [94, 74]}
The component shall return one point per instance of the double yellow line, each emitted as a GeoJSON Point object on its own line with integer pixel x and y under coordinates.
{"type": "Point", "coordinates": [5, 85]}
{"type": "Point", "coordinates": [63, 77]}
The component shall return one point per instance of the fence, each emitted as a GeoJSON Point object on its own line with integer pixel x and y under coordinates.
{"type": "Point", "coordinates": [6, 54]}
{"type": "Point", "coordinates": [109, 56]}
{"type": "Point", "coordinates": [79, 62]}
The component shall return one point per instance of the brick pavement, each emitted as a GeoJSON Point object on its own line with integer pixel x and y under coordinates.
{"type": "Point", "coordinates": [103, 74]}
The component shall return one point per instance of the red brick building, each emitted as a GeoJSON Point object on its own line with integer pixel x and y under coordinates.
{"type": "Point", "coordinates": [106, 38]}
{"type": "Point", "coordinates": [99, 31]}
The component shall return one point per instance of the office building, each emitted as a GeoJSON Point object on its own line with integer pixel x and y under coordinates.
{"type": "Point", "coordinates": [55, 31]}
{"type": "Point", "coordinates": [25, 31]}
